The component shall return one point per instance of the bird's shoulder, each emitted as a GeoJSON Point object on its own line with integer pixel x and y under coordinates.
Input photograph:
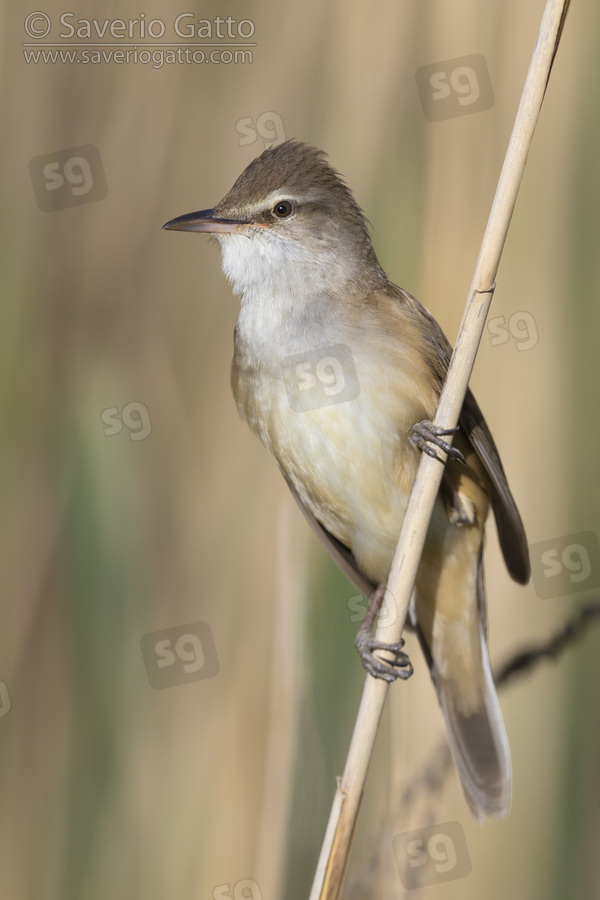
{"type": "Point", "coordinates": [438, 351]}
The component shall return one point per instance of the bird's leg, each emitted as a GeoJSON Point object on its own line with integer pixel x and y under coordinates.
{"type": "Point", "coordinates": [425, 433]}
{"type": "Point", "coordinates": [461, 509]}
{"type": "Point", "coordinates": [400, 666]}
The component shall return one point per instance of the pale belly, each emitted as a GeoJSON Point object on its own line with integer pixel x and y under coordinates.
{"type": "Point", "coordinates": [348, 457]}
{"type": "Point", "coordinates": [351, 462]}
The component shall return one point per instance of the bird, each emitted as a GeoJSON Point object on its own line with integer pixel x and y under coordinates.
{"type": "Point", "coordinates": [338, 371]}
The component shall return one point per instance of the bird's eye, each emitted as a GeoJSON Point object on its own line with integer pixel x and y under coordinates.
{"type": "Point", "coordinates": [283, 209]}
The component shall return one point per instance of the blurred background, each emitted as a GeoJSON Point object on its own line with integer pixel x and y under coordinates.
{"type": "Point", "coordinates": [177, 673]}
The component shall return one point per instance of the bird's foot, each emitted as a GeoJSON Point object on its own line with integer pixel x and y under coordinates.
{"type": "Point", "coordinates": [398, 667]}
{"type": "Point", "coordinates": [426, 433]}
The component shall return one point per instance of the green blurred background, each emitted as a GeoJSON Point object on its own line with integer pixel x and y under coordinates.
{"type": "Point", "coordinates": [221, 786]}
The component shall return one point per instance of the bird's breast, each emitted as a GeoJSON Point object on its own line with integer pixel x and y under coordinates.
{"type": "Point", "coordinates": [337, 418]}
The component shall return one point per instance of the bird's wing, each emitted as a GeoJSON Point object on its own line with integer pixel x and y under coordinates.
{"type": "Point", "coordinates": [341, 555]}
{"type": "Point", "coordinates": [511, 532]}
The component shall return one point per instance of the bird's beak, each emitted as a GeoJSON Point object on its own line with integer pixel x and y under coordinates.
{"type": "Point", "coordinates": [205, 220]}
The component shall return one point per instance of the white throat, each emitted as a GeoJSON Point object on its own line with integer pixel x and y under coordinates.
{"type": "Point", "coordinates": [264, 264]}
{"type": "Point", "coordinates": [287, 301]}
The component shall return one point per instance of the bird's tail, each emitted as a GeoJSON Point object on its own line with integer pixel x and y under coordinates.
{"type": "Point", "coordinates": [479, 745]}
{"type": "Point", "coordinates": [460, 668]}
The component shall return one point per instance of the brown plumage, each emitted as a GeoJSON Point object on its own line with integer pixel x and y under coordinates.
{"type": "Point", "coordinates": [296, 248]}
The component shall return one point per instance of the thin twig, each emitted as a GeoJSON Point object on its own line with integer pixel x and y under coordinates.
{"type": "Point", "coordinates": [552, 648]}
{"type": "Point", "coordinates": [430, 778]}
{"type": "Point", "coordinates": [433, 774]}
{"type": "Point", "coordinates": [335, 851]}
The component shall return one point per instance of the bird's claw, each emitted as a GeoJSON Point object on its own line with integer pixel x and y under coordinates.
{"type": "Point", "coordinates": [399, 667]}
{"type": "Point", "coordinates": [426, 433]}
